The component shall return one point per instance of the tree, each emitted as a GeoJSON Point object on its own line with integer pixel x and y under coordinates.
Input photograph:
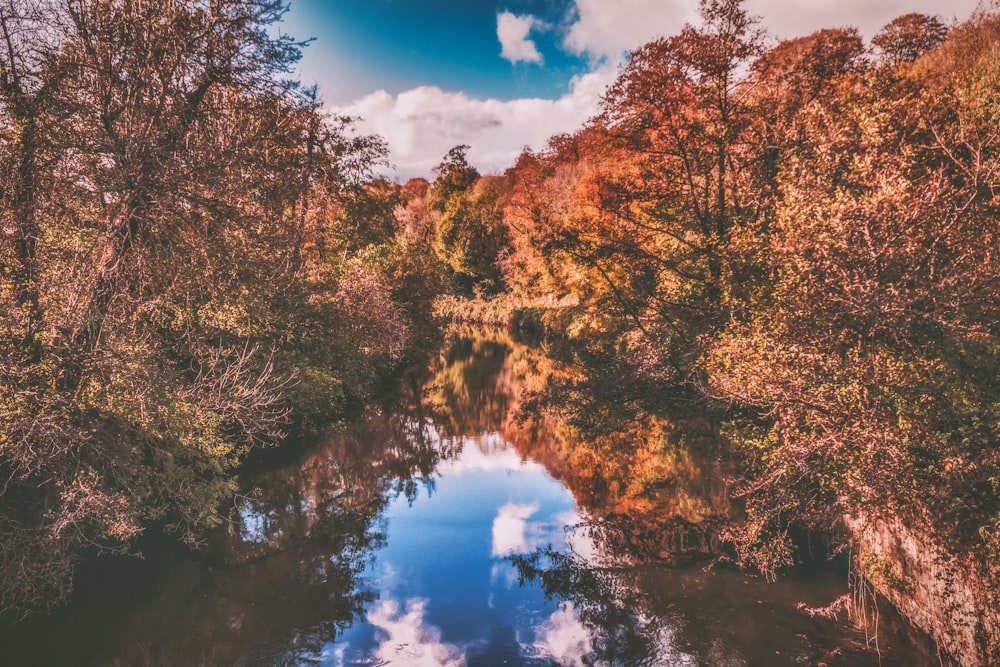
{"type": "Point", "coordinates": [677, 103]}
{"type": "Point", "coordinates": [452, 177]}
{"type": "Point", "coordinates": [471, 235]}
{"type": "Point", "coordinates": [793, 75]}
{"type": "Point", "coordinates": [343, 205]}
{"type": "Point", "coordinates": [906, 38]}
{"type": "Point", "coordinates": [672, 186]}
{"type": "Point", "coordinates": [874, 356]}
{"type": "Point", "coordinates": [147, 221]}
{"type": "Point", "coordinates": [413, 215]}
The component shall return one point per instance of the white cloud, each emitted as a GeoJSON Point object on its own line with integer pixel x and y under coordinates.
{"type": "Point", "coordinates": [513, 533]}
{"type": "Point", "coordinates": [510, 529]}
{"type": "Point", "coordinates": [567, 641]}
{"type": "Point", "coordinates": [422, 124]}
{"type": "Point", "coordinates": [512, 31]}
{"type": "Point", "coordinates": [487, 453]}
{"type": "Point", "coordinates": [503, 574]}
{"type": "Point", "coordinates": [577, 537]}
{"type": "Point", "coordinates": [602, 29]}
{"type": "Point", "coordinates": [405, 638]}
{"type": "Point", "coordinates": [867, 16]}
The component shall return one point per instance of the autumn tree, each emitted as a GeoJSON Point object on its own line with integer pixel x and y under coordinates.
{"type": "Point", "coordinates": [150, 247]}
{"type": "Point", "coordinates": [678, 103]}
{"type": "Point", "coordinates": [453, 176]}
{"type": "Point", "coordinates": [537, 216]}
{"type": "Point", "coordinates": [872, 355]}
{"type": "Point", "coordinates": [648, 210]}
{"type": "Point", "coordinates": [470, 235]}
{"type": "Point", "coordinates": [414, 218]}
{"type": "Point", "coordinates": [792, 75]}
{"type": "Point", "coordinates": [338, 187]}
{"type": "Point", "coordinates": [909, 36]}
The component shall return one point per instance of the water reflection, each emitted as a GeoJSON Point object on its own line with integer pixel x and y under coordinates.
{"type": "Point", "coordinates": [445, 564]}
{"type": "Point", "coordinates": [651, 481]}
{"type": "Point", "coordinates": [601, 607]}
{"type": "Point", "coordinates": [446, 531]}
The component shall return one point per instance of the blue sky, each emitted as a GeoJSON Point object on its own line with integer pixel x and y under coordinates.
{"type": "Point", "coordinates": [503, 74]}
{"type": "Point", "coordinates": [397, 45]}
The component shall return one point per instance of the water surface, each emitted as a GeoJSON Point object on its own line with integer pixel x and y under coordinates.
{"type": "Point", "coordinates": [442, 531]}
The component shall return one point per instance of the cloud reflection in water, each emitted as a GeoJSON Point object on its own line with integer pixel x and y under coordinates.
{"type": "Point", "coordinates": [563, 638]}
{"type": "Point", "coordinates": [510, 529]}
{"type": "Point", "coordinates": [406, 639]}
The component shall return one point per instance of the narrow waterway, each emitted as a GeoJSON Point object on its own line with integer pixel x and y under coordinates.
{"type": "Point", "coordinates": [442, 531]}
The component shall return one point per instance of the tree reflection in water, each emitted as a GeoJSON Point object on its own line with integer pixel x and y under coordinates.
{"type": "Point", "coordinates": [608, 607]}
{"type": "Point", "coordinates": [649, 471]}
{"type": "Point", "coordinates": [293, 579]}
{"type": "Point", "coordinates": [317, 525]}
{"type": "Point", "coordinates": [649, 475]}
{"type": "Point", "coordinates": [283, 580]}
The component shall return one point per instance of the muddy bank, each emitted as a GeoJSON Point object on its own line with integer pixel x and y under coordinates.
{"type": "Point", "coordinates": [947, 598]}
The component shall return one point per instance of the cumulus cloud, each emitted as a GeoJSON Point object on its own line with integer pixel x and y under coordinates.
{"type": "Point", "coordinates": [488, 452]}
{"type": "Point", "coordinates": [567, 641]}
{"type": "Point", "coordinates": [512, 31]}
{"type": "Point", "coordinates": [422, 124]}
{"type": "Point", "coordinates": [867, 16]}
{"type": "Point", "coordinates": [605, 30]}
{"type": "Point", "coordinates": [513, 533]}
{"type": "Point", "coordinates": [405, 638]}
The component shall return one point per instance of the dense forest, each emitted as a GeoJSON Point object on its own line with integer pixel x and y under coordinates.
{"type": "Point", "coordinates": [195, 260]}
{"type": "Point", "coordinates": [799, 237]}
{"type": "Point", "coordinates": [804, 234]}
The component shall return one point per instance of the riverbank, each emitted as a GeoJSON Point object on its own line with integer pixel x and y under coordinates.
{"type": "Point", "coordinates": [945, 596]}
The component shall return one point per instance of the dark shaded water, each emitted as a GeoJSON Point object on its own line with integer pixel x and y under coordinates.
{"type": "Point", "coordinates": [442, 532]}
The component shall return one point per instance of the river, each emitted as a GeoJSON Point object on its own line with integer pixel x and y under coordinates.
{"type": "Point", "coordinates": [440, 529]}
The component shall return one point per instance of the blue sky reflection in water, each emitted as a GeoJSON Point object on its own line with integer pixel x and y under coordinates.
{"type": "Point", "coordinates": [447, 592]}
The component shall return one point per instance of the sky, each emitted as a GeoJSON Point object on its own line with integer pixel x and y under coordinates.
{"type": "Point", "coordinates": [500, 75]}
